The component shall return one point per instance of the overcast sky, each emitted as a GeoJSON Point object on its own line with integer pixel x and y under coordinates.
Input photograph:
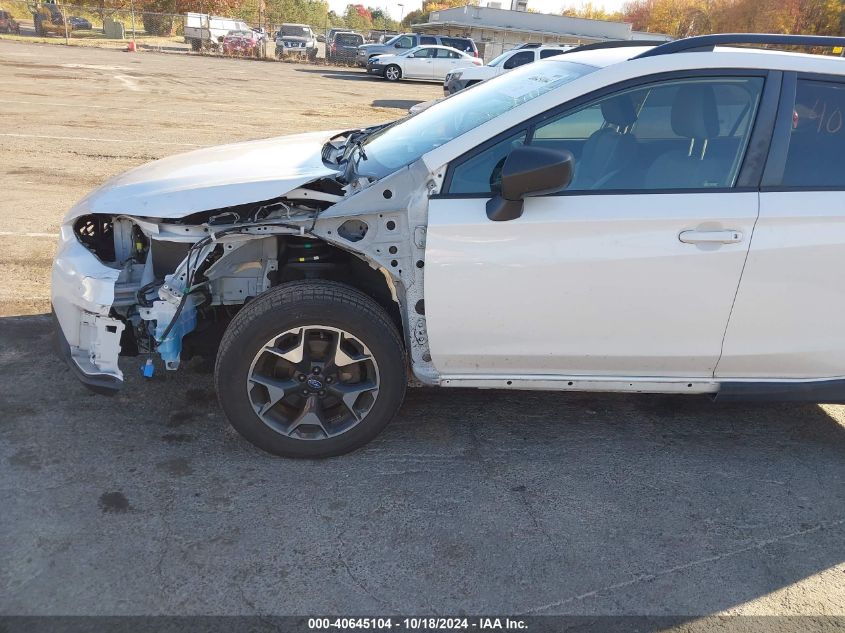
{"type": "Point", "coordinates": [544, 6]}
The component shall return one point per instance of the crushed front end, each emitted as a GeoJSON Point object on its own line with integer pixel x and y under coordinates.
{"type": "Point", "coordinates": [141, 286]}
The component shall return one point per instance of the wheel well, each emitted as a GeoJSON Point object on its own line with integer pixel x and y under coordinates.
{"type": "Point", "coordinates": [305, 258]}
{"type": "Point", "coordinates": [299, 258]}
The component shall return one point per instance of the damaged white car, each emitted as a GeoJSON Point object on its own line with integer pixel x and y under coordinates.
{"type": "Point", "coordinates": [581, 223]}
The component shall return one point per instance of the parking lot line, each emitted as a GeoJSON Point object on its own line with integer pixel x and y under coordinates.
{"type": "Point", "coordinates": [27, 234]}
{"type": "Point", "coordinates": [96, 140]}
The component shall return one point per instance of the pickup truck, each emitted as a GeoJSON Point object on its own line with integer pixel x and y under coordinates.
{"type": "Point", "coordinates": [203, 31]}
{"type": "Point", "coordinates": [296, 39]}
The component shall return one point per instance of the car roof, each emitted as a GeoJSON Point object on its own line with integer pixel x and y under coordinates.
{"type": "Point", "coordinates": [602, 57]}
{"type": "Point", "coordinates": [448, 48]}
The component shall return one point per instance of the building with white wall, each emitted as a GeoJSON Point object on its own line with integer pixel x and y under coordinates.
{"type": "Point", "coordinates": [496, 30]}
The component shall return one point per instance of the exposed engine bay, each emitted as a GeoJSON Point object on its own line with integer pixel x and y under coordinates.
{"type": "Point", "coordinates": [180, 280]}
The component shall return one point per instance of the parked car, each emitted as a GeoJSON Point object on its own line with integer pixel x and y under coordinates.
{"type": "Point", "coordinates": [343, 47]}
{"type": "Point", "coordinates": [664, 219]}
{"type": "Point", "coordinates": [203, 31]}
{"type": "Point", "coordinates": [334, 31]}
{"type": "Point", "coordinates": [8, 24]}
{"type": "Point", "coordinates": [78, 24]}
{"type": "Point", "coordinates": [242, 43]}
{"type": "Point", "coordinates": [508, 60]}
{"type": "Point", "coordinates": [407, 41]}
{"type": "Point", "coordinates": [296, 39]}
{"type": "Point", "coordinates": [423, 62]}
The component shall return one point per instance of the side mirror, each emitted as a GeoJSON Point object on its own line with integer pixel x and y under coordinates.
{"type": "Point", "coordinates": [529, 171]}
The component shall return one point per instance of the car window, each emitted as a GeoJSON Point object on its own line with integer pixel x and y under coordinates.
{"type": "Point", "coordinates": [817, 140]}
{"type": "Point", "coordinates": [550, 52]}
{"type": "Point", "coordinates": [498, 60]}
{"type": "Point", "coordinates": [442, 53]}
{"type": "Point", "coordinates": [681, 134]}
{"type": "Point", "coordinates": [519, 59]}
{"type": "Point", "coordinates": [295, 31]}
{"type": "Point", "coordinates": [423, 52]}
{"type": "Point", "coordinates": [454, 42]}
{"type": "Point", "coordinates": [484, 172]}
{"type": "Point", "coordinates": [348, 39]}
{"type": "Point", "coordinates": [405, 41]}
{"type": "Point", "coordinates": [427, 40]}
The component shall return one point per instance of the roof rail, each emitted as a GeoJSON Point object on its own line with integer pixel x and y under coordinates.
{"type": "Point", "coordinates": [703, 43]}
{"type": "Point", "coordinates": [615, 44]}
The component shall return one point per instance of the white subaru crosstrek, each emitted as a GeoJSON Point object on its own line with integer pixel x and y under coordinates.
{"type": "Point", "coordinates": [665, 219]}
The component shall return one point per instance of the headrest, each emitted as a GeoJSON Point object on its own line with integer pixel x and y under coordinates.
{"type": "Point", "coordinates": [619, 111]}
{"type": "Point", "coordinates": [694, 113]}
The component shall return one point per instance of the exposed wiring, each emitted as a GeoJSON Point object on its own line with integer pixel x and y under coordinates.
{"type": "Point", "coordinates": [191, 269]}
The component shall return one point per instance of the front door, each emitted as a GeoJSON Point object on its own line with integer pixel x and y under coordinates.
{"type": "Point", "coordinates": [632, 271]}
{"type": "Point", "coordinates": [418, 65]}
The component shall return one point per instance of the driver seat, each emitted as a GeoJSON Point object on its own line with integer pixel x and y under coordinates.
{"type": "Point", "coordinates": [608, 151]}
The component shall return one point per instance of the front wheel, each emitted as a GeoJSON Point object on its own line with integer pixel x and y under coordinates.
{"type": "Point", "coordinates": [311, 369]}
{"type": "Point", "coordinates": [393, 73]}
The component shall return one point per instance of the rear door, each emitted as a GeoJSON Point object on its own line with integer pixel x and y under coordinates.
{"type": "Point", "coordinates": [787, 321]}
{"type": "Point", "coordinates": [445, 61]}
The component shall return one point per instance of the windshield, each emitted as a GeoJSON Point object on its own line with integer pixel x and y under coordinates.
{"type": "Point", "coordinates": [404, 141]}
{"type": "Point", "coordinates": [498, 60]}
{"type": "Point", "coordinates": [294, 31]}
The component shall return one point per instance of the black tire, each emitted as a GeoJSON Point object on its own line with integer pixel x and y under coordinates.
{"type": "Point", "coordinates": [298, 304]}
{"type": "Point", "coordinates": [393, 70]}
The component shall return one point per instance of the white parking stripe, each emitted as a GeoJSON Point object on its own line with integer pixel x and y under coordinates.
{"type": "Point", "coordinates": [23, 234]}
{"type": "Point", "coordinates": [95, 140]}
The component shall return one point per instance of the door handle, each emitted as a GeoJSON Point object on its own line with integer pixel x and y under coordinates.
{"type": "Point", "coordinates": [727, 236]}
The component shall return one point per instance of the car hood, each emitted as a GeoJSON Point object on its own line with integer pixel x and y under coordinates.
{"type": "Point", "coordinates": [211, 178]}
{"type": "Point", "coordinates": [294, 38]}
{"type": "Point", "coordinates": [373, 47]}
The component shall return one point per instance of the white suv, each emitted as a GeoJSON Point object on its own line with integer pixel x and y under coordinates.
{"type": "Point", "coordinates": [658, 219]}
{"type": "Point", "coordinates": [525, 54]}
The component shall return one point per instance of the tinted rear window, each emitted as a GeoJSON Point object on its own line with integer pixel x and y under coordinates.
{"type": "Point", "coordinates": [348, 39]}
{"type": "Point", "coordinates": [457, 42]}
{"type": "Point", "coordinates": [817, 140]}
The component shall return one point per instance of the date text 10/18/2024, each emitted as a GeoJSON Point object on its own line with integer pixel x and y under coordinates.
{"type": "Point", "coordinates": [418, 624]}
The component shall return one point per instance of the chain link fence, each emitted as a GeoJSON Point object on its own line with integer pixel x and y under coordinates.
{"type": "Point", "coordinates": [250, 32]}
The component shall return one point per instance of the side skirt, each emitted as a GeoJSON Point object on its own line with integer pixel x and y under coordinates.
{"type": "Point", "coordinates": [583, 383]}
{"type": "Point", "coordinates": [818, 391]}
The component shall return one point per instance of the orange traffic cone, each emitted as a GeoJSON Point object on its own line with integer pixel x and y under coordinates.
{"type": "Point", "coordinates": [131, 47]}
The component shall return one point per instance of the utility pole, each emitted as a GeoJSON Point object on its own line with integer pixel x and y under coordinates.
{"type": "Point", "coordinates": [132, 15]}
{"type": "Point", "coordinates": [64, 19]}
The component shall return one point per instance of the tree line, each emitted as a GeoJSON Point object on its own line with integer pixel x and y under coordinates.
{"type": "Point", "coordinates": [685, 18]}
{"type": "Point", "coordinates": [676, 18]}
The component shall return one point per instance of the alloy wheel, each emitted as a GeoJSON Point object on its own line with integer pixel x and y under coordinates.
{"type": "Point", "coordinates": [313, 382]}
